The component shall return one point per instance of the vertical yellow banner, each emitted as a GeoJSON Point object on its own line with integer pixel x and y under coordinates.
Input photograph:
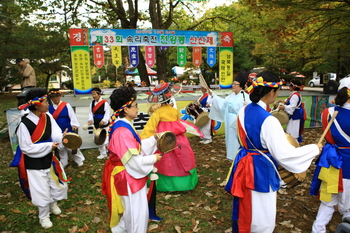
{"type": "Point", "coordinates": [226, 67]}
{"type": "Point", "coordinates": [81, 69]}
{"type": "Point", "coordinates": [116, 55]}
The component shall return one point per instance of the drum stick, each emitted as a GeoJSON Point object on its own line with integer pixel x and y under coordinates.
{"type": "Point", "coordinates": [170, 150]}
{"type": "Point", "coordinates": [328, 126]}
{"type": "Point", "coordinates": [243, 95]}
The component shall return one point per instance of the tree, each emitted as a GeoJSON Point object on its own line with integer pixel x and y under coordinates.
{"type": "Point", "coordinates": [43, 45]}
{"type": "Point", "coordinates": [313, 32]}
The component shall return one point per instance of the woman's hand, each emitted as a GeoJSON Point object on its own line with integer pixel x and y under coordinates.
{"type": "Point", "coordinates": [158, 157]}
{"type": "Point", "coordinates": [89, 122]}
{"type": "Point", "coordinates": [54, 145]}
{"type": "Point", "coordinates": [65, 132]}
{"type": "Point", "coordinates": [320, 147]}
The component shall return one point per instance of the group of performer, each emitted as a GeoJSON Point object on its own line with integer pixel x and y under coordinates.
{"type": "Point", "coordinates": [255, 142]}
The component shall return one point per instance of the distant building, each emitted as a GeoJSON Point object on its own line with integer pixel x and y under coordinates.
{"type": "Point", "coordinates": [56, 81]}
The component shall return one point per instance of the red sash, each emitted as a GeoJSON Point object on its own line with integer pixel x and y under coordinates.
{"type": "Point", "coordinates": [58, 110]}
{"type": "Point", "coordinates": [98, 105]}
{"type": "Point", "coordinates": [38, 132]}
{"type": "Point", "coordinates": [40, 128]}
{"type": "Point", "coordinates": [325, 117]}
{"type": "Point", "coordinates": [203, 96]}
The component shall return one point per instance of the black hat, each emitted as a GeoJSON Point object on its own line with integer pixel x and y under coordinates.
{"type": "Point", "coordinates": [18, 60]}
{"type": "Point", "coordinates": [242, 77]}
{"type": "Point", "coordinates": [296, 82]}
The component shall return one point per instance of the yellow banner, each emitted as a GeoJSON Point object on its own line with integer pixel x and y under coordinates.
{"type": "Point", "coordinates": [81, 69]}
{"type": "Point", "coordinates": [226, 68]}
{"type": "Point", "coordinates": [116, 55]}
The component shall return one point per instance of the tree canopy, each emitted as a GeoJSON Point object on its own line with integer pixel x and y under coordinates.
{"type": "Point", "coordinates": [302, 35]}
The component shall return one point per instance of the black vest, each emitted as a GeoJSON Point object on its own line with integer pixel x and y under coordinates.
{"type": "Point", "coordinates": [97, 115]}
{"type": "Point", "coordinates": [38, 163]}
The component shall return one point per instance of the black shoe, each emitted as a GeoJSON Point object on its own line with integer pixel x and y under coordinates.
{"type": "Point", "coordinates": [346, 219]}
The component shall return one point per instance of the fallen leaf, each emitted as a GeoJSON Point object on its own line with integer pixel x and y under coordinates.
{"type": "Point", "coordinates": [282, 191]}
{"type": "Point", "coordinates": [16, 211]}
{"type": "Point", "coordinates": [195, 228]}
{"type": "Point", "coordinates": [186, 212]}
{"type": "Point", "coordinates": [177, 228]}
{"type": "Point", "coordinates": [73, 229]}
{"type": "Point", "coordinates": [228, 230]}
{"type": "Point", "coordinates": [85, 228]}
{"type": "Point", "coordinates": [101, 231]}
{"type": "Point", "coordinates": [283, 210]}
{"type": "Point", "coordinates": [88, 202]}
{"type": "Point", "coordinates": [207, 208]}
{"type": "Point", "coordinates": [96, 220]}
{"type": "Point", "coordinates": [287, 224]}
{"type": "Point", "coordinates": [209, 194]}
{"type": "Point", "coordinates": [199, 203]}
{"type": "Point", "coordinates": [152, 227]}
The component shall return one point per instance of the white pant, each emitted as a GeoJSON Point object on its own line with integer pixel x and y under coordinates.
{"type": "Point", "coordinates": [206, 130]}
{"type": "Point", "coordinates": [326, 209]}
{"type": "Point", "coordinates": [78, 157]}
{"type": "Point", "coordinates": [44, 190]}
{"type": "Point", "coordinates": [135, 216]}
{"type": "Point", "coordinates": [293, 128]}
{"type": "Point", "coordinates": [263, 212]}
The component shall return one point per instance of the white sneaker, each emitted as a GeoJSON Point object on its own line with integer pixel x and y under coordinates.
{"type": "Point", "coordinates": [55, 209]}
{"type": "Point", "coordinates": [101, 156]}
{"type": "Point", "coordinates": [80, 164]}
{"type": "Point", "coordinates": [201, 141]}
{"type": "Point", "coordinates": [46, 222]}
{"type": "Point", "coordinates": [207, 141]}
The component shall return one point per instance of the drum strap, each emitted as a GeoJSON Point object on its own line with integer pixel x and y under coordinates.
{"type": "Point", "coordinates": [282, 183]}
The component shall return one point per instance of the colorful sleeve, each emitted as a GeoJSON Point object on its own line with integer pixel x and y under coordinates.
{"type": "Point", "coordinates": [123, 144]}
{"type": "Point", "coordinates": [151, 126]}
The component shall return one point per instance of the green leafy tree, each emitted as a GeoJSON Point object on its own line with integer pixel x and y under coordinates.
{"type": "Point", "coordinates": [309, 35]}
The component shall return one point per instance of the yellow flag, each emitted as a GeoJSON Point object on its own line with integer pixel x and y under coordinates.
{"type": "Point", "coordinates": [116, 55]}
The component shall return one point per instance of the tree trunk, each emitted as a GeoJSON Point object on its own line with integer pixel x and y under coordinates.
{"type": "Point", "coordinates": [47, 81]}
{"type": "Point", "coordinates": [161, 63]}
{"type": "Point", "coordinates": [142, 69]}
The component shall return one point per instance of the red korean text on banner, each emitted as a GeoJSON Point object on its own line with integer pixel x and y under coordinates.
{"type": "Point", "coordinates": [197, 56]}
{"type": "Point", "coordinates": [150, 59]}
{"type": "Point", "coordinates": [99, 59]}
{"type": "Point", "coordinates": [77, 36]}
{"type": "Point", "coordinates": [226, 39]}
